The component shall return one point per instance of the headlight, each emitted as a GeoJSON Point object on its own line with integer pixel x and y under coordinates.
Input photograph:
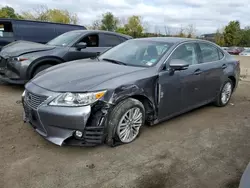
{"type": "Point", "coordinates": [77, 99]}
{"type": "Point", "coordinates": [20, 59]}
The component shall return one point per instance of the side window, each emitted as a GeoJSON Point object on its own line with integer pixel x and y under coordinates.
{"type": "Point", "coordinates": [209, 53]}
{"type": "Point", "coordinates": [91, 40]}
{"type": "Point", "coordinates": [221, 54]}
{"type": "Point", "coordinates": [108, 40]}
{"type": "Point", "coordinates": [6, 29]}
{"type": "Point", "coordinates": [186, 52]}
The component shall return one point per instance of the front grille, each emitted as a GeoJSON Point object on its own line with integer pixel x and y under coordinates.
{"type": "Point", "coordinates": [34, 100]}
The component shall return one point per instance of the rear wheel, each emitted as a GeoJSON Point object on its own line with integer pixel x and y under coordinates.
{"type": "Point", "coordinates": [225, 94]}
{"type": "Point", "coordinates": [40, 69]}
{"type": "Point", "coordinates": [125, 121]}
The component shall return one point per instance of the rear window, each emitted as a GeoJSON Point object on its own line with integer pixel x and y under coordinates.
{"type": "Point", "coordinates": [6, 29]}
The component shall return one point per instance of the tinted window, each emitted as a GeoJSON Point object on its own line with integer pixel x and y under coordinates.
{"type": "Point", "coordinates": [34, 31]}
{"type": "Point", "coordinates": [186, 52]}
{"type": "Point", "coordinates": [6, 29]}
{"type": "Point", "coordinates": [209, 52]}
{"type": "Point", "coordinates": [137, 52]}
{"type": "Point", "coordinates": [91, 40]}
{"type": "Point", "coordinates": [107, 40]}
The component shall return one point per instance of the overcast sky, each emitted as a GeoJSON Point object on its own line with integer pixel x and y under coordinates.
{"type": "Point", "coordinates": [205, 15]}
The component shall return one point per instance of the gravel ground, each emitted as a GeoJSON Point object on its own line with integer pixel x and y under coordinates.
{"type": "Point", "coordinates": [208, 147]}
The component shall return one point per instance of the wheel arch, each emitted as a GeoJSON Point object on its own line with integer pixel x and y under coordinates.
{"type": "Point", "coordinates": [138, 94]}
{"type": "Point", "coordinates": [233, 79]}
{"type": "Point", "coordinates": [51, 60]}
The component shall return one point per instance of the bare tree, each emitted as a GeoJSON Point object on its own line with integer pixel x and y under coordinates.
{"type": "Point", "coordinates": [190, 30]}
{"type": "Point", "coordinates": [96, 24]}
{"type": "Point", "coordinates": [167, 30]}
{"type": "Point", "coordinates": [181, 32]}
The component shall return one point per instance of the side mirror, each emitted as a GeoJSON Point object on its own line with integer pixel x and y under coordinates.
{"type": "Point", "coordinates": [178, 64]}
{"type": "Point", "coordinates": [81, 45]}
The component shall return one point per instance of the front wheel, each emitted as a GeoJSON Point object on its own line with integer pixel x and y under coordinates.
{"type": "Point", "coordinates": [225, 94]}
{"type": "Point", "coordinates": [125, 120]}
{"type": "Point", "coordinates": [41, 68]}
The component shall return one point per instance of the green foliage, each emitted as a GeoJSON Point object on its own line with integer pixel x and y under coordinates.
{"type": "Point", "coordinates": [245, 40]}
{"type": "Point", "coordinates": [219, 38]}
{"type": "Point", "coordinates": [134, 26]}
{"type": "Point", "coordinates": [232, 34]}
{"type": "Point", "coordinates": [121, 30]}
{"type": "Point", "coordinates": [9, 12]}
{"type": "Point", "coordinates": [42, 13]}
{"type": "Point", "coordinates": [109, 22]}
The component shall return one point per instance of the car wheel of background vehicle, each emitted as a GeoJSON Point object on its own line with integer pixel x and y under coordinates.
{"type": "Point", "coordinates": [41, 68]}
{"type": "Point", "coordinates": [125, 121]}
{"type": "Point", "coordinates": [225, 94]}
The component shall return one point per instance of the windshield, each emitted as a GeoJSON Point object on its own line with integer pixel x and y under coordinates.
{"type": "Point", "coordinates": [137, 52]}
{"type": "Point", "coordinates": [65, 39]}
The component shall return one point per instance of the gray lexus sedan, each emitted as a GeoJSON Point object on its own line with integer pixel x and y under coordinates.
{"type": "Point", "coordinates": [141, 81]}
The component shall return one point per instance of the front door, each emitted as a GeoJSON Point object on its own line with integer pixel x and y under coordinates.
{"type": "Point", "coordinates": [181, 90]}
{"type": "Point", "coordinates": [92, 50]}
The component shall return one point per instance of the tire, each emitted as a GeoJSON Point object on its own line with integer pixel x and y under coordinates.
{"type": "Point", "coordinates": [219, 100]}
{"type": "Point", "coordinates": [117, 116]}
{"type": "Point", "coordinates": [40, 69]}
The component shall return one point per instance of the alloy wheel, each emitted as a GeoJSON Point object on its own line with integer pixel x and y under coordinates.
{"type": "Point", "coordinates": [129, 125]}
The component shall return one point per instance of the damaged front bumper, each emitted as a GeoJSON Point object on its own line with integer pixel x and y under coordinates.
{"type": "Point", "coordinates": [12, 72]}
{"type": "Point", "coordinates": [59, 124]}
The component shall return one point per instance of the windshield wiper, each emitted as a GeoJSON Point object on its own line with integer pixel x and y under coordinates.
{"type": "Point", "coordinates": [114, 61]}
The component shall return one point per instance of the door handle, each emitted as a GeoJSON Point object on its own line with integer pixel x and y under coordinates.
{"type": "Point", "coordinates": [197, 72]}
{"type": "Point", "coordinates": [224, 66]}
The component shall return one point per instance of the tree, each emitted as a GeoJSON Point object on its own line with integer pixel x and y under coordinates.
{"type": "Point", "coordinates": [109, 22]}
{"type": "Point", "coordinates": [190, 30]}
{"type": "Point", "coordinates": [9, 12]}
{"type": "Point", "coordinates": [42, 13]}
{"type": "Point", "coordinates": [61, 16]}
{"type": "Point", "coordinates": [134, 26]}
{"type": "Point", "coordinates": [181, 32]}
{"type": "Point", "coordinates": [121, 30]}
{"type": "Point", "coordinates": [96, 25]}
{"type": "Point", "coordinates": [245, 40]}
{"type": "Point", "coordinates": [219, 38]}
{"type": "Point", "coordinates": [232, 34]}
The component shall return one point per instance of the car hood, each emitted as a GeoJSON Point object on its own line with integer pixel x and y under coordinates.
{"type": "Point", "coordinates": [80, 75]}
{"type": "Point", "coordinates": [18, 48]}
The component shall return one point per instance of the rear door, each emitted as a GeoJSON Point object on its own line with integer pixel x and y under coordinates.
{"type": "Point", "coordinates": [213, 65]}
{"type": "Point", "coordinates": [109, 40]}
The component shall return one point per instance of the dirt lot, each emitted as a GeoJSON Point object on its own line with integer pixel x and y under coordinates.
{"type": "Point", "coordinates": [209, 147]}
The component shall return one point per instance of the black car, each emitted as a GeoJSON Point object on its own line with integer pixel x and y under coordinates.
{"type": "Point", "coordinates": [22, 60]}
{"type": "Point", "coordinates": [108, 99]}
{"type": "Point", "coordinates": [36, 31]}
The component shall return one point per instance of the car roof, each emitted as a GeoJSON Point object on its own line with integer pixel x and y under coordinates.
{"type": "Point", "coordinates": [101, 31]}
{"type": "Point", "coordinates": [35, 21]}
{"type": "Point", "coordinates": [174, 40]}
